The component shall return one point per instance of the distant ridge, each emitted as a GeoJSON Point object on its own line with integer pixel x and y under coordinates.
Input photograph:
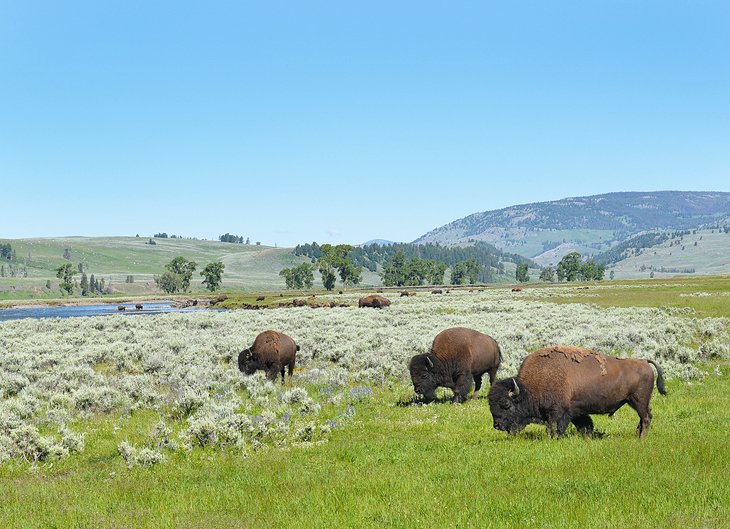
{"type": "Point", "coordinates": [586, 224]}
{"type": "Point", "coordinates": [381, 242]}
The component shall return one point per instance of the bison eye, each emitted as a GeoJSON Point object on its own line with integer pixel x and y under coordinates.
{"type": "Point", "coordinates": [505, 404]}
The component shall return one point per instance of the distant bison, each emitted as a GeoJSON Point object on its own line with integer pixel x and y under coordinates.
{"type": "Point", "coordinates": [562, 384]}
{"type": "Point", "coordinates": [299, 303]}
{"type": "Point", "coordinates": [516, 290]}
{"type": "Point", "coordinates": [121, 307]}
{"type": "Point", "coordinates": [406, 294]}
{"type": "Point", "coordinates": [458, 357]}
{"type": "Point", "coordinates": [374, 301]}
{"type": "Point", "coordinates": [437, 291]}
{"type": "Point", "coordinates": [260, 298]}
{"type": "Point", "coordinates": [138, 306]}
{"type": "Point", "coordinates": [271, 352]}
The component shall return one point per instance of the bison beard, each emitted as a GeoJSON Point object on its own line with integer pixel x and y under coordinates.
{"type": "Point", "coordinates": [562, 384]}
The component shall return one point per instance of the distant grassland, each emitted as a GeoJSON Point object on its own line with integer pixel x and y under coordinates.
{"type": "Point", "coordinates": [248, 267]}
{"type": "Point", "coordinates": [707, 295]}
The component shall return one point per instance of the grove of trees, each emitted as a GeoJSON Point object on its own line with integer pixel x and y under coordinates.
{"type": "Point", "coordinates": [300, 276]}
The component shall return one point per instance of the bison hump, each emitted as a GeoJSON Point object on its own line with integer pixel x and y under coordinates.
{"type": "Point", "coordinates": [573, 354]}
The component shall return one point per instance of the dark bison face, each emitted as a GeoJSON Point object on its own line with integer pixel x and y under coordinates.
{"type": "Point", "coordinates": [248, 362]}
{"type": "Point", "coordinates": [424, 376]}
{"type": "Point", "coordinates": [506, 402]}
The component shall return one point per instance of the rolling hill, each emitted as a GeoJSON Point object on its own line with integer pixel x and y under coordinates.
{"type": "Point", "coordinates": [589, 225]}
{"type": "Point", "coordinates": [248, 267]}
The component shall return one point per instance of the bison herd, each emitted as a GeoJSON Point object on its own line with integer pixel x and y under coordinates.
{"type": "Point", "coordinates": [555, 386]}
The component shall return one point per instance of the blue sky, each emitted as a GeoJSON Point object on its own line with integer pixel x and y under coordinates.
{"type": "Point", "coordinates": [339, 122]}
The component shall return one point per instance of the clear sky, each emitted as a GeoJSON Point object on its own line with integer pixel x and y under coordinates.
{"type": "Point", "coordinates": [345, 121]}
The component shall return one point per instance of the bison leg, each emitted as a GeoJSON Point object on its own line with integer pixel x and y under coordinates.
{"type": "Point", "coordinates": [492, 375]}
{"type": "Point", "coordinates": [271, 373]}
{"type": "Point", "coordinates": [462, 387]}
{"type": "Point", "coordinates": [557, 424]}
{"type": "Point", "coordinates": [644, 411]}
{"type": "Point", "coordinates": [584, 424]}
{"type": "Point", "coordinates": [477, 386]}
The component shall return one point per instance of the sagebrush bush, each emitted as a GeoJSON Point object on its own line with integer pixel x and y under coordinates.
{"type": "Point", "coordinates": [184, 365]}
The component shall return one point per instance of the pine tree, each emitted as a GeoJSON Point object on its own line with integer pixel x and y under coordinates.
{"type": "Point", "coordinates": [92, 284]}
{"type": "Point", "coordinates": [84, 284]}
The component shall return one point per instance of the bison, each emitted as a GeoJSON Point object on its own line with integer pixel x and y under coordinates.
{"type": "Point", "coordinates": [374, 301]}
{"type": "Point", "coordinates": [437, 291]}
{"type": "Point", "coordinates": [121, 307]}
{"type": "Point", "coordinates": [271, 352]}
{"type": "Point", "coordinates": [458, 356]}
{"type": "Point", "coordinates": [138, 306]}
{"type": "Point", "coordinates": [562, 384]}
{"type": "Point", "coordinates": [260, 298]}
{"type": "Point", "coordinates": [516, 290]}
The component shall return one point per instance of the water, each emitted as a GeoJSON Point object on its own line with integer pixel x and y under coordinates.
{"type": "Point", "coordinates": [72, 311]}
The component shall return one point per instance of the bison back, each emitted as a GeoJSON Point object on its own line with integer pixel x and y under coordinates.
{"type": "Point", "coordinates": [571, 375]}
{"type": "Point", "coordinates": [475, 350]}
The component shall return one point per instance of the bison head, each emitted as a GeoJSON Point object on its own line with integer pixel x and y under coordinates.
{"type": "Point", "coordinates": [248, 362]}
{"type": "Point", "coordinates": [426, 375]}
{"type": "Point", "coordinates": [508, 403]}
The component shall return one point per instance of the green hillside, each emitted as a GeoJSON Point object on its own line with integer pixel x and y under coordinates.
{"type": "Point", "coordinates": [248, 267]}
{"type": "Point", "coordinates": [702, 252]}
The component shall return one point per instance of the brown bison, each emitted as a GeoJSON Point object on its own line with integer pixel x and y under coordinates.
{"type": "Point", "coordinates": [562, 384]}
{"type": "Point", "coordinates": [516, 290]}
{"type": "Point", "coordinates": [437, 291]}
{"type": "Point", "coordinates": [272, 352]}
{"type": "Point", "coordinates": [138, 306]}
{"type": "Point", "coordinates": [260, 298]}
{"type": "Point", "coordinates": [458, 357]}
{"type": "Point", "coordinates": [121, 307]}
{"type": "Point", "coordinates": [374, 301]}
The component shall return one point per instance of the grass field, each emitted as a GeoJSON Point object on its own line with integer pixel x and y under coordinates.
{"type": "Point", "coordinates": [706, 295]}
{"type": "Point", "coordinates": [248, 267]}
{"type": "Point", "coordinates": [368, 456]}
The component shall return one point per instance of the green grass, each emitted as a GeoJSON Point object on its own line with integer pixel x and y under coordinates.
{"type": "Point", "coordinates": [707, 295]}
{"type": "Point", "coordinates": [440, 465]}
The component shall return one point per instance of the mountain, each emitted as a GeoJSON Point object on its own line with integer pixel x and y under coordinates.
{"type": "Point", "coordinates": [589, 225]}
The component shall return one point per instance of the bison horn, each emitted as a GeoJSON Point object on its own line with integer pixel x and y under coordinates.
{"type": "Point", "coordinates": [429, 362]}
{"type": "Point", "coordinates": [516, 391]}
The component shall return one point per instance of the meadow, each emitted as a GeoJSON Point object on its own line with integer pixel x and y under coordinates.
{"type": "Point", "coordinates": [146, 421]}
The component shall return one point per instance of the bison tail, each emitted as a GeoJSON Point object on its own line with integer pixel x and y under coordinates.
{"type": "Point", "coordinates": [659, 378]}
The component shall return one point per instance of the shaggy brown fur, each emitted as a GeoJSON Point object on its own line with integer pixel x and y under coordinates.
{"type": "Point", "coordinates": [272, 352]}
{"type": "Point", "coordinates": [374, 301]}
{"type": "Point", "coordinates": [562, 384]}
{"type": "Point", "coordinates": [458, 358]}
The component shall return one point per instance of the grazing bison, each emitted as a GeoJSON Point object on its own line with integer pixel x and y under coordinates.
{"type": "Point", "coordinates": [121, 307]}
{"type": "Point", "coordinates": [458, 356]}
{"type": "Point", "coordinates": [437, 291]}
{"type": "Point", "coordinates": [272, 352]}
{"type": "Point", "coordinates": [260, 298]}
{"type": "Point", "coordinates": [562, 384]}
{"type": "Point", "coordinates": [374, 301]}
{"type": "Point", "coordinates": [516, 290]}
{"type": "Point", "coordinates": [138, 306]}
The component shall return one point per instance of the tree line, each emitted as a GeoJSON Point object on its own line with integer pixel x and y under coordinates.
{"type": "Point", "coordinates": [370, 256]}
